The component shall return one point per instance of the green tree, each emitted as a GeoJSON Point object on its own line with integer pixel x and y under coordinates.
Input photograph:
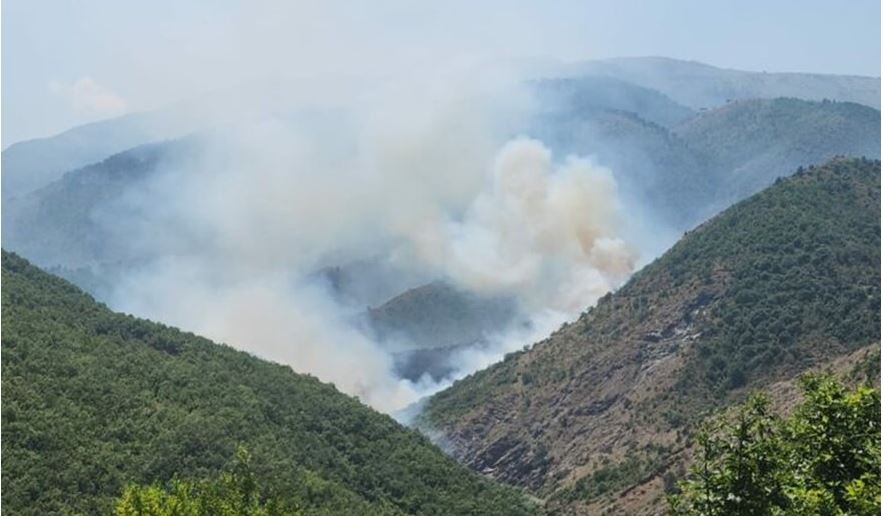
{"type": "Point", "coordinates": [835, 449]}
{"type": "Point", "coordinates": [824, 459]}
{"type": "Point", "coordinates": [234, 493]}
{"type": "Point", "coordinates": [739, 466]}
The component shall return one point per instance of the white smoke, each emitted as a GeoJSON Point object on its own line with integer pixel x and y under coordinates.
{"type": "Point", "coordinates": [546, 234]}
{"type": "Point", "coordinates": [432, 182]}
{"type": "Point", "coordinates": [270, 314]}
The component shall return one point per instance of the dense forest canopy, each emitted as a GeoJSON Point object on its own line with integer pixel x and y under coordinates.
{"type": "Point", "coordinates": [95, 400]}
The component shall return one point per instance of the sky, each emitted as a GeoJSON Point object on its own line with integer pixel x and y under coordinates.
{"type": "Point", "coordinates": [66, 62]}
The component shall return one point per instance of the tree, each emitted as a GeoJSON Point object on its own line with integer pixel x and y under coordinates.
{"type": "Point", "coordinates": [835, 449]}
{"type": "Point", "coordinates": [824, 459]}
{"type": "Point", "coordinates": [234, 493]}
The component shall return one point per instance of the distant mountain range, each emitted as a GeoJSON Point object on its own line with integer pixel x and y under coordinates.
{"type": "Point", "coordinates": [28, 165]}
{"type": "Point", "coordinates": [684, 140]}
{"type": "Point", "coordinates": [32, 164]}
{"type": "Point", "coordinates": [594, 417]}
{"type": "Point", "coordinates": [681, 175]}
{"type": "Point", "coordinates": [698, 85]}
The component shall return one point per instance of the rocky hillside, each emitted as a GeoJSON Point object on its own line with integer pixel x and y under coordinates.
{"type": "Point", "coordinates": [781, 282]}
{"type": "Point", "coordinates": [95, 400]}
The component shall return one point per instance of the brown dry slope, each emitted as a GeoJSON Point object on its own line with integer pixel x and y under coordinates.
{"type": "Point", "coordinates": [598, 416]}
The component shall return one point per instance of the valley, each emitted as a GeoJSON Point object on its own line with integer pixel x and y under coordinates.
{"type": "Point", "coordinates": [317, 260]}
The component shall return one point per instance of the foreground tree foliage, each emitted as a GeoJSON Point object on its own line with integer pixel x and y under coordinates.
{"type": "Point", "coordinates": [823, 459]}
{"type": "Point", "coordinates": [235, 492]}
{"type": "Point", "coordinates": [238, 492]}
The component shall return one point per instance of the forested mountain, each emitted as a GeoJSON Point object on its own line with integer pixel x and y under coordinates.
{"type": "Point", "coordinates": [32, 164]}
{"type": "Point", "coordinates": [424, 324]}
{"type": "Point", "coordinates": [595, 416]}
{"type": "Point", "coordinates": [654, 167]}
{"type": "Point", "coordinates": [61, 224]}
{"type": "Point", "coordinates": [95, 400]}
{"type": "Point", "coordinates": [745, 143]}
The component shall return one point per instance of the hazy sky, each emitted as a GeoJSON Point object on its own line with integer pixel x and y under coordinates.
{"type": "Point", "coordinates": [67, 62]}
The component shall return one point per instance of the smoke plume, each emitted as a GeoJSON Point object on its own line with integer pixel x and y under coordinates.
{"type": "Point", "coordinates": [544, 233]}
{"type": "Point", "coordinates": [435, 185]}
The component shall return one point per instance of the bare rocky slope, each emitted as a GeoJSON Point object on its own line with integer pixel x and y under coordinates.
{"type": "Point", "coordinates": [595, 416]}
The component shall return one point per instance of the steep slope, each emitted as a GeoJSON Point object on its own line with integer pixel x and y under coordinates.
{"type": "Point", "coordinates": [778, 283]}
{"type": "Point", "coordinates": [93, 400]}
{"type": "Point", "coordinates": [698, 85]}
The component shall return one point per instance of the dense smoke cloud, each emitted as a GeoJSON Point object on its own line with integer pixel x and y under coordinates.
{"type": "Point", "coordinates": [270, 314]}
{"type": "Point", "coordinates": [546, 234]}
{"type": "Point", "coordinates": [433, 184]}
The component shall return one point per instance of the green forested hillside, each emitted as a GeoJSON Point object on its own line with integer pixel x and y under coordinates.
{"type": "Point", "coordinates": [743, 142]}
{"type": "Point", "coordinates": [94, 401]}
{"type": "Point", "coordinates": [598, 414]}
{"type": "Point", "coordinates": [425, 325]}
